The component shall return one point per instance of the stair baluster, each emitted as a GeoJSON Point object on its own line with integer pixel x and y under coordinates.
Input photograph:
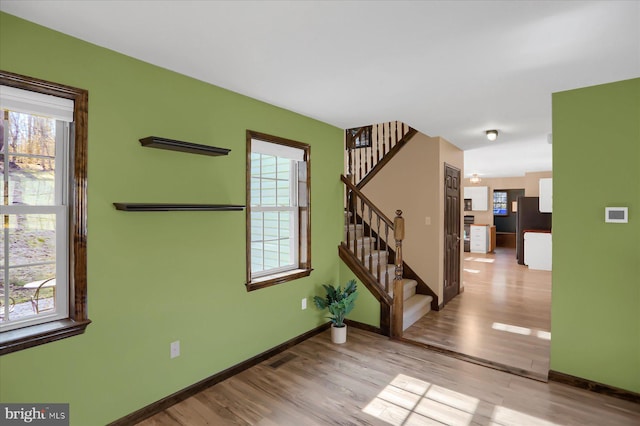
{"type": "Point", "coordinates": [360, 163]}
{"type": "Point", "coordinates": [377, 139]}
{"type": "Point", "coordinates": [384, 142]}
{"type": "Point", "coordinates": [371, 147]}
{"type": "Point", "coordinates": [387, 288]}
{"type": "Point", "coordinates": [378, 245]}
{"type": "Point", "coordinates": [362, 252]}
{"type": "Point", "coordinates": [347, 219]}
{"type": "Point", "coordinates": [350, 159]}
{"type": "Point", "coordinates": [371, 242]}
{"type": "Point", "coordinates": [389, 137]}
{"type": "Point", "coordinates": [354, 218]}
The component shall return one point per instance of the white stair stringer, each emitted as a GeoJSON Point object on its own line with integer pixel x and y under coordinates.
{"type": "Point", "coordinates": [415, 308]}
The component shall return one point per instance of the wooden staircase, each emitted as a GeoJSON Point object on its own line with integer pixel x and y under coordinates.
{"type": "Point", "coordinates": [372, 245]}
{"type": "Point", "coordinates": [372, 248]}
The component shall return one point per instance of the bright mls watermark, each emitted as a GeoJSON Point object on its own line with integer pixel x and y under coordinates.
{"type": "Point", "coordinates": [34, 414]}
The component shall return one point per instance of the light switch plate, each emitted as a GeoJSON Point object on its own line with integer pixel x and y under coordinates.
{"type": "Point", "coordinates": [616, 214]}
{"type": "Point", "coordinates": [175, 349]}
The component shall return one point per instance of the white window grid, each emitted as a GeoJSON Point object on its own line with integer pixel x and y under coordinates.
{"type": "Point", "coordinates": [59, 210]}
{"type": "Point", "coordinates": [269, 250]}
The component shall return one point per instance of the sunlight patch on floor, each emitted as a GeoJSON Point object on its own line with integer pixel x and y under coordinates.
{"type": "Point", "coordinates": [541, 334]}
{"type": "Point", "coordinates": [511, 328]}
{"type": "Point", "coordinates": [410, 401]}
{"type": "Point", "coordinates": [479, 259]}
{"type": "Point", "coordinates": [472, 271]}
{"type": "Point", "coordinates": [507, 416]}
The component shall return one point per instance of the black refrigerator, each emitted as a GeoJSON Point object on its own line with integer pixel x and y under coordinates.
{"type": "Point", "coordinates": [529, 218]}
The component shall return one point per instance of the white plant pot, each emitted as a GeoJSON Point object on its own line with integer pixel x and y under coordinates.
{"type": "Point", "coordinates": [338, 334]}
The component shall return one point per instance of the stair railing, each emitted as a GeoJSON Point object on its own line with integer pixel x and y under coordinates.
{"type": "Point", "coordinates": [379, 229]}
{"type": "Point", "coordinates": [366, 146]}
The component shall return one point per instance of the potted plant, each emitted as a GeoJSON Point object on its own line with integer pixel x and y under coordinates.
{"type": "Point", "coordinates": [339, 303]}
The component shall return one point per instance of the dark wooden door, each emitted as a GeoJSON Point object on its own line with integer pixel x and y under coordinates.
{"type": "Point", "coordinates": [451, 232]}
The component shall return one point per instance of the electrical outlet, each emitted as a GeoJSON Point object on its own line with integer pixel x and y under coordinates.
{"type": "Point", "coordinates": [175, 349]}
{"type": "Point", "coordinates": [427, 220]}
{"type": "Point", "coordinates": [304, 303]}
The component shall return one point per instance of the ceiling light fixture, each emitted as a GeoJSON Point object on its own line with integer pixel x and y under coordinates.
{"type": "Point", "coordinates": [492, 135]}
{"type": "Point", "coordinates": [475, 178]}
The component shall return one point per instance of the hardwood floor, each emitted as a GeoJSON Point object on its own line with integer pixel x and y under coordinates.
{"type": "Point", "coordinates": [371, 380]}
{"type": "Point", "coordinates": [503, 315]}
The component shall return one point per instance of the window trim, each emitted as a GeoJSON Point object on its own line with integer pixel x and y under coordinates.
{"type": "Point", "coordinates": [77, 321]}
{"type": "Point", "coordinates": [304, 244]}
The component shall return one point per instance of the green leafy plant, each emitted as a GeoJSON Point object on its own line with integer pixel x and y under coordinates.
{"type": "Point", "coordinates": [339, 302]}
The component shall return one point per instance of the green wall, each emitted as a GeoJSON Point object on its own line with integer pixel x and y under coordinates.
{"type": "Point", "coordinates": [367, 308]}
{"type": "Point", "coordinates": [595, 318]}
{"type": "Point", "coordinates": [158, 277]}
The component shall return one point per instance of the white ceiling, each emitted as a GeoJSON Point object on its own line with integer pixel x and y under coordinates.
{"type": "Point", "coordinates": [448, 68]}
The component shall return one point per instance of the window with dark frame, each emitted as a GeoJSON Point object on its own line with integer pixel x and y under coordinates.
{"type": "Point", "coordinates": [278, 215]}
{"type": "Point", "coordinates": [360, 137]}
{"type": "Point", "coordinates": [500, 203]}
{"type": "Point", "coordinates": [47, 213]}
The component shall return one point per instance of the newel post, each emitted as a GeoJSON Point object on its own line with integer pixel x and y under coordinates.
{"type": "Point", "coordinates": [398, 296]}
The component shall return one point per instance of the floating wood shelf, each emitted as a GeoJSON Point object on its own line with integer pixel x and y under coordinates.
{"type": "Point", "coordinates": [151, 207]}
{"type": "Point", "coordinates": [174, 145]}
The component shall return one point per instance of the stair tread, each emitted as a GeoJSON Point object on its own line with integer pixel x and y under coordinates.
{"type": "Point", "coordinates": [351, 225]}
{"type": "Point", "coordinates": [415, 302]}
{"type": "Point", "coordinates": [390, 268]}
{"type": "Point", "coordinates": [409, 288]}
{"type": "Point", "coordinates": [408, 282]}
{"type": "Point", "coordinates": [375, 255]}
{"type": "Point", "coordinates": [415, 308]}
{"type": "Point", "coordinates": [363, 240]}
{"type": "Point", "coordinates": [378, 253]}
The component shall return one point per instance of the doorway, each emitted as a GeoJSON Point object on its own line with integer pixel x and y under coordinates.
{"type": "Point", "coordinates": [505, 203]}
{"type": "Point", "coordinates": [502, 319]}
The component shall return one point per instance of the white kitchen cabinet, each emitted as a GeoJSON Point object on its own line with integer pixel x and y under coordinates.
{"type": "Point", "coordinates": [546, 195]}
{"type": "Point", "coordinates": [479, 239]}
{"type": "Point", "coordinates": [479, 196]}
{"type": "Point", "coordinates": [537, 250]}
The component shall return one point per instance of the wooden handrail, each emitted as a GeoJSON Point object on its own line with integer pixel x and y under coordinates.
{"type": "Point", "coordinates": [368, 202]}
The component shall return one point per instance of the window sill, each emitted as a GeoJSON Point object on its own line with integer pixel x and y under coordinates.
{"type": "Point", "coordinates": [282, 277]}
{"type": "Point", "coordinates": [28, 337]}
